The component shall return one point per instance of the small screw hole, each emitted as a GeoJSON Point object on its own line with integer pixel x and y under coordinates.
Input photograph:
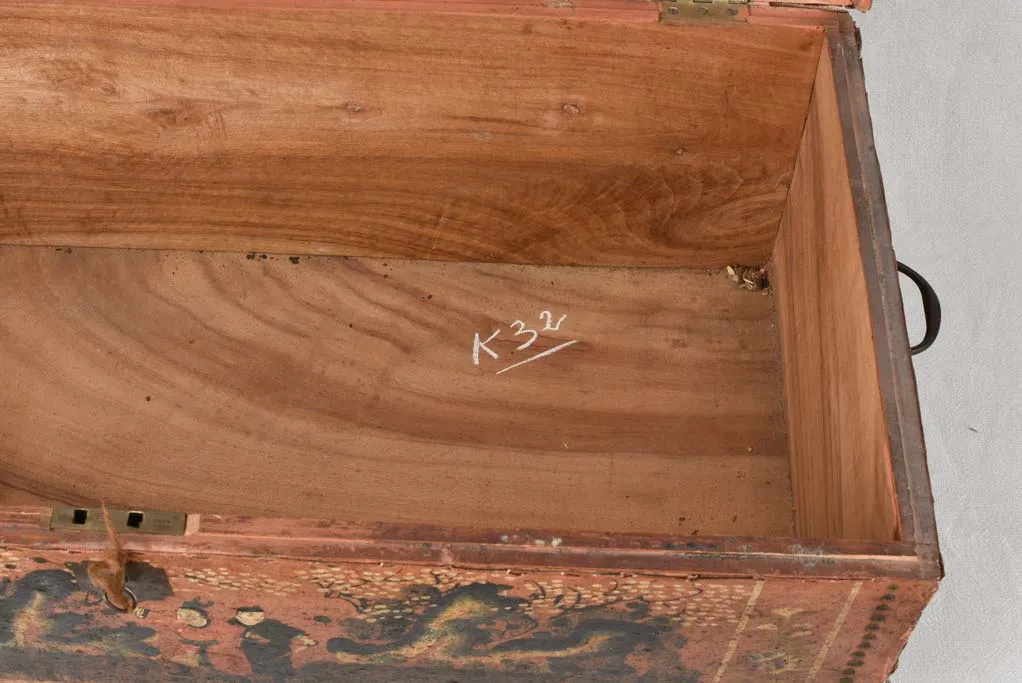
{"type": "Point", "coordinates": [135, 519]}
{"type": "Point", "coordinates": [79, 516]}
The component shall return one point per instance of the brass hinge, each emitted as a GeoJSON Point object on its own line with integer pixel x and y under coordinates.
{"type": "Point", "coordinates": [715, 10]}
{"type": "Point", "coordinates": [124, 521]}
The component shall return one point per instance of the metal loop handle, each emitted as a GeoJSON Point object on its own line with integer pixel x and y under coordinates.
{"type": "Point", "coordinates": [131, 596]}
{"type": "Point", "coordinates": [931, 308]}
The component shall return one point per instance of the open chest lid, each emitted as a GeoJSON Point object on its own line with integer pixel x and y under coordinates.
{"type": "Point", "coordinates": [710, 6]}
{"type": "Point", "coordinates": [862, 5]}
{"type": "Point", "coordinates": [674, 11]}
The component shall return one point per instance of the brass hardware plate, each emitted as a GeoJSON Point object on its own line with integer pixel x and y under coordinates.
{"type": "Point", "coordinates": [125, 521]}
{"type": "Point", "coordinates": [719, 10]}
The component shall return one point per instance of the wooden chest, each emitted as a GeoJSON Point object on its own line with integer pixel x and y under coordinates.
{"type": "Point", "coordinates": [451, 340]}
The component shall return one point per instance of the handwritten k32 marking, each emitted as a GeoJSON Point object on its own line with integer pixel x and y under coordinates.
{"type": "Point", "coordinates": [519, 329]}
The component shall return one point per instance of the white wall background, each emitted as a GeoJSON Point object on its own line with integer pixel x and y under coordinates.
{"type": "Point", "coordinates": [945, 85]}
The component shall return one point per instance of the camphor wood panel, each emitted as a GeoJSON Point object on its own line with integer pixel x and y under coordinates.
{"type": "Point", "coordinates": [890, 336]}
{"type": "Point", "coordinates": [841, 463]}
{"type": "Point", "coordinates": [449, 137]}
{"type": "Point", "coordinates": [863, 5]}
{"type": "Point", "coordinates": [346, 388]}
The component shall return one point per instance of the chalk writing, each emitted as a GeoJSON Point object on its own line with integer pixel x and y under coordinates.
{"type": "Point", "coordinates": [524, 330]}
{"type": "Point", "coordinates": [482, 345]}
{"type": "Point", "coordinates": [548, 317]}
{"type": "Point", "coordinates": [519, 329]}
{"type": "Point", "coordinates": [538, 356]}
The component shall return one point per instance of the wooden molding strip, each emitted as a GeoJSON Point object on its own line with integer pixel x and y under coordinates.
{"type": "Point", "coordinates": [332, 541]}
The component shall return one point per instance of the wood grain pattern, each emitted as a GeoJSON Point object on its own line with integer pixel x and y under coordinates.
{"type": "Point", "coordinates": [614, 11]}
{"type": "Point", "coordinates": [448, 137]}
{"type": "Point", "coordinates": [841, 461]}
{"type": "Point", "coordinates": [890, 336]}
{"type": "Point", "coordinates": [345, 388]}
{"type": "Point", "coordinates": [862, 5]}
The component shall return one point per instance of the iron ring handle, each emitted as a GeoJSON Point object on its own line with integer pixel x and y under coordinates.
{"type": "Point", "coordinates": [132, 600]}
{"type": "Point", "coordinates": [931, 308]}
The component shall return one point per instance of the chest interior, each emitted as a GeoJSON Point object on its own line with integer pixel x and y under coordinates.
{"type": "Point", "coordinates": [521, 269]}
